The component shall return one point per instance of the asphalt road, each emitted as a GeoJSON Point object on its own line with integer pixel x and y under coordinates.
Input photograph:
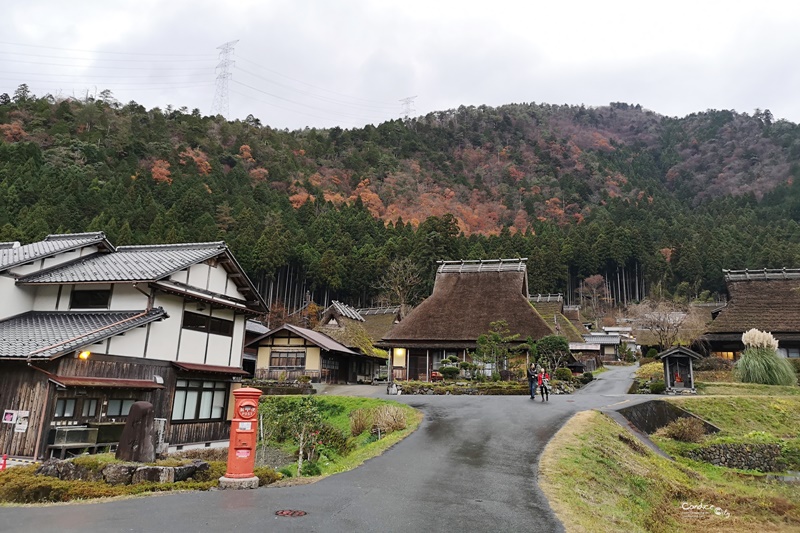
{"type": "Point", "coordinates": [471, 466]}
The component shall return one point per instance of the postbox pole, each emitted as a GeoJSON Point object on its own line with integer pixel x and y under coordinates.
{"type": "Point", "coordinates": [243, 441]}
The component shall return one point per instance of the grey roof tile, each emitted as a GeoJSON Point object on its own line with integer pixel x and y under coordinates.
{"type": "Point", "coordinates": [130, 263]}
{"type": "Point", "coordinates": [39, 334]}
{"type": "Point", "coordinates": [52, 244]}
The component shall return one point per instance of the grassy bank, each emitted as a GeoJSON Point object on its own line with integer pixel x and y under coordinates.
{"type": "Point", "coordinates": [599, 479]}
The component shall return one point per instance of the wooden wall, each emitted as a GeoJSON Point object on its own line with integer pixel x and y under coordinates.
{"type": "Point", "coordinates": [21, 389]}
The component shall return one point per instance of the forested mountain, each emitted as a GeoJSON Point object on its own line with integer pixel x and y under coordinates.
{"type": "Point", "coordinates": [645, 200]}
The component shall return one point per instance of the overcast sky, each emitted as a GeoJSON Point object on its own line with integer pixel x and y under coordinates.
{"type": "Point", "coordinates": [323, 63]}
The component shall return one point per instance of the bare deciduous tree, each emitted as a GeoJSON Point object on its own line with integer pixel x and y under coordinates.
{"type": "Point", "coordinates": [670, 322]}
{"type": "Point", "coordinates": [400, 281]}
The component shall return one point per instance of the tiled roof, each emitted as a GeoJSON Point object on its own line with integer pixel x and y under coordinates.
{"type": "Point", "coordinates": [211, 369]}
{"type": "Point", "coordinates": [767, 304]}
{"type": "Point", "coordinates": [105, 383]}
{"type": "Point", "coordinates": [346, 311]}
{"type": "Point", "coordinates": [320, 339]}
{"type": "Point", "coordinates": [130, 263]}
{"type": "Point", "coordinates": [52, 244]}
{"type": "Point", "coordinates": [51, 334]}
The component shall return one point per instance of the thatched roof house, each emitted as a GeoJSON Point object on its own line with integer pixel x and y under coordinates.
{"type": "Point", "coordinates": [551, 309]}
{"type": "Point", "coordinates": [768, 300]}
{"type": "Point", "coordinates": [467, 297]}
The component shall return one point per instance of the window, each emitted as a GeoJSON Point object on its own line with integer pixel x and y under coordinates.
{"type": "Point", "coordinates": [119, 407]}
{"type": "Point", "coordinates": [330, 364]}
{"type": "Point", "coordinates": [65, 408]}
{"type": "Point", "coordinates": [207, 324]}
{"type": "Point", "coordinates": [725, 355]}
{"type": "Point", "coordinates": [199, 400]}
{"type": "Point", "coordinates": [793, 353]}
{"type": "Point", "coordinates": [82, 299]}
{"type": "Point", "coordinates": [89, 408]}
{"type": "Point", "coordinates": [287, 359]}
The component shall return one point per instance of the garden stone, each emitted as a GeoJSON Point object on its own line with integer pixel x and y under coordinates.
{"type": "Point", "coordinates": [118, 474]}
{"type": "Point", "coordinates": [157, 474]}
{"type": "Point", "coordinates": [51, 468]}
{"type": "Point", "coordinates": [182, 473]}
{"type": "Point", "coordinates": [138, 440]}
{"type": "Point", "coordinates": [200, 466]}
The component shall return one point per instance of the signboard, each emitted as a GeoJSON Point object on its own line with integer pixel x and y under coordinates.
{"type": "Point", "coordinates": [21, 425]}
{"type": "Point", "coordinates": [9, 417]}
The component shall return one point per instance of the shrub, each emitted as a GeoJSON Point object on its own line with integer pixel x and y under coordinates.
{"type": "Point", "coordinates": [796, 365]}
{"type": "Point", "coordinates": [449, 372]}
{"type": "Point", "coordinates": [311, 468]}
{"type": "Point", "coordinates": [334, 438]}
{"type": "Point", "coordinates": [646, 360]}
{"type": "Point", "coordinates": [587, 377]}
{"type": "Point", "coordinates": [389, 418]}
{"type": "Point", "coordinates": [762, 364]}
{"type": "Point", "coordinates": [652, 353]}
{"type": "Point", "coordinates": [304, 379]}
{"type": "Point", "coordinates": [651, 371]}
{"type": "Point", "coordinates": [657, 387]}
{"type": "Point", "coordinates": [266, 475]}
{"type": "Point", "coordinates": [562, 374]}
{"type": "Point", "coordinates": [204, 454]}
{"type": "Point", "coordinates": [688, 429]}
{"type": "Point", "coordinates": [216, 469]}
{"type": "Point", "coordinates": [713, 364]}
{"type": "Point", "coordinates": [285, 472]}
{"type": "Point", "coordinates": [360, 421]}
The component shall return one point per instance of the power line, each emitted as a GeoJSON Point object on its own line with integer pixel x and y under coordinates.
{"type": "Point", "coordinates": [383, 104]}
{"type": "Point", "coordinates": [148, 60]}
{"type": "Point", "coordinates": [103, 52]}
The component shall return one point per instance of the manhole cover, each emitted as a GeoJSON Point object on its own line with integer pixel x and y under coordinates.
{"type": "Point", "coordinates": [290, 512]}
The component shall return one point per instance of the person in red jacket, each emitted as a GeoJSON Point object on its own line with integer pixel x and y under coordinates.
{"type": "Point", "coordinates": [543, 380]}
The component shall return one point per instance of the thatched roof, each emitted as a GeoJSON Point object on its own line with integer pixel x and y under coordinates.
{"type": "Point", "coordinates": [465, 301]}
{"type": "Point", "coordinates": [551, 312]}
{"type": "Point", "coordinates": [346, 325]}
{"type": "Point", "coordinates": [763, 303]}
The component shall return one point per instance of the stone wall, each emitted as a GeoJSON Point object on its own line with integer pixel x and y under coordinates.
{"type": "Point", "coordinates": [761, 457]}
{"type": "Point", "coordinates": [120, 473]}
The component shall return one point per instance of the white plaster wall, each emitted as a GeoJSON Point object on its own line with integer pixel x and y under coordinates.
{"type": "Point", "coordinates": [131, 344]}
{"type": "Point", "coordinates": [164, 334]}
{"type": "Point", "coordinates": [198, 275]}
{"type": "Point", "coordinates": [126, 298]}
{"type": "Point", "coordinates": [193, 347]}
{"type": "Point", "coordinates": [46, 297]}
{"type": "Point", "coordinates": [218, 279]}
{"type": "Point", "coordinates": [16, 299]}
{"type": "Point", "coordinates": [219, 350]}
{"type": "Point", "coordinates": [237, 346]}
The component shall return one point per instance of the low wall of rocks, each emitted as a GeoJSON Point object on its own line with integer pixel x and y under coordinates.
{"type": "Point", "coordinates": [761, 457]}
{"type": "Point", "coordinates": [278, 388]}
{"type": "Point", "coordinates": [120, 473]}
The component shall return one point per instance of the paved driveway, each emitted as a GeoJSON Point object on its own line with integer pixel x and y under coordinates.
{"type": "Point", "coordinates": [471, 466]}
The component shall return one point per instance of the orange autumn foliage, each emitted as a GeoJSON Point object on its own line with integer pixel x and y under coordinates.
{"type": "Point", "coordinates": [160, 171]}
{"type": "Point", "coordinates": [257, 175]}
{"type": "Point", "coordinates": [13, 132]}
{"type": "Point", "coordinates": [200, 160]}
{"type": "Point", "coordinates": [246, 154]}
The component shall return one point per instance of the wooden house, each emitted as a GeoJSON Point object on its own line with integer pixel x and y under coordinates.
{"type": "Point", "coordinates": [467, 297]}
{"type": "Point", "coordinates": [768, 300]}
{"type": "Point", "coordinates": [347, 326]}
{"type": "Point", "coordinates": [88, 329]}
{"type": "Point", "coordinates": [290, 352]}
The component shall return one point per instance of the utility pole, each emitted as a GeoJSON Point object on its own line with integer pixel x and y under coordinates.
{"type": "Point", "coordinates": [408, 106]}
{"type": "Point", "coordinates": [220, 105]}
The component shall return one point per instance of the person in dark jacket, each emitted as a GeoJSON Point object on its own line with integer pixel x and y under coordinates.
{"type": "Point", "coordinates": [532, 381]}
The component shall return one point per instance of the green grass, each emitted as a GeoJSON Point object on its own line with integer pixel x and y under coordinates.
{"type": "Point", "coordinates": [598, 479]}
{"type": "Point", "coordinates": [337, 411]}
{"type": "Point", "coordinates": [739, 389]}
{"type": "Point", "coordinates": [738, 416]}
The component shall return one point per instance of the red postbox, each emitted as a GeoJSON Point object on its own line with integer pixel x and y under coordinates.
{"type": "Point", "coordinates": [244, 428]}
